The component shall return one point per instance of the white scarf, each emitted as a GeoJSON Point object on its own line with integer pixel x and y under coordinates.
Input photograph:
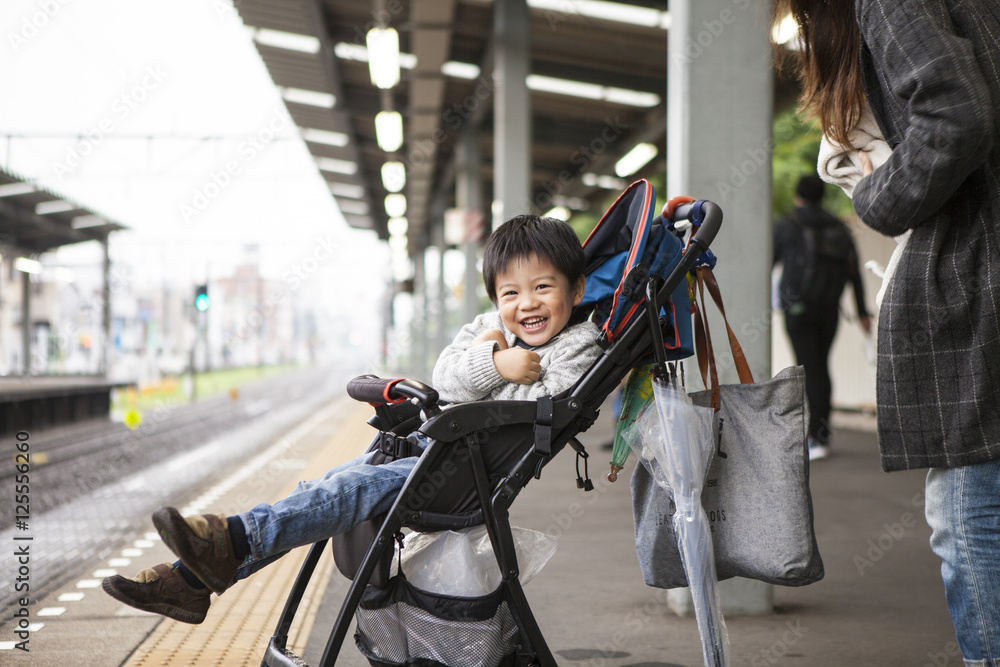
{"type": "Point", "coordinates": [842, 166]}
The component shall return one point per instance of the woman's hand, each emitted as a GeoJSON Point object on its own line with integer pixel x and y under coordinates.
{"type": "Point", "coordinates": [518, 365]}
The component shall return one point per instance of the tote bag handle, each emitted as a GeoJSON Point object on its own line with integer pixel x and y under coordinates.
{"type": "Point", "coordinates": [704, 278]}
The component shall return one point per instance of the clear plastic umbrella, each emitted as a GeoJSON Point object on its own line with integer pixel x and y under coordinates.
{"type": "Point", "coordinates": [677, 449]}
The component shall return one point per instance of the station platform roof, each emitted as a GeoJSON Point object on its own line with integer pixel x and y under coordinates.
{"type": "Point", "coordinates": [36, 219]}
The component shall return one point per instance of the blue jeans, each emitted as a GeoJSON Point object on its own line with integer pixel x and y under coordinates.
{"type": "Point", "coordinates": [963, 510]}
{"type": "Point", "coordinates": [344, 497]}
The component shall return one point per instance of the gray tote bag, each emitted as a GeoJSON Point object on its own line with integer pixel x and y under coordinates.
{"type": "Point", "coordinates": [756, 491]}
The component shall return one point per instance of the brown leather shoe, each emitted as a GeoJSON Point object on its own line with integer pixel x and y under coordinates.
{"type": "Point", "coordinates": [162, 590]}
{"type": "Point", "coordinates": [202, 543]}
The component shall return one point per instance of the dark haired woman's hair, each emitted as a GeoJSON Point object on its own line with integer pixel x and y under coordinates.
{"type": "Point", "coordinates": [829, 62]}
{"type": "Point", "coordinates": [525, 235]}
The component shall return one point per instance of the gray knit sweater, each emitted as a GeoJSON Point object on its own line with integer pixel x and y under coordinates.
{"type": "Point", "coordinates": [466, 372]}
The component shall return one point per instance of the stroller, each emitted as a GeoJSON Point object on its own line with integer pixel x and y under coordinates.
{"type": "Point", "coordinates": [481, 454]}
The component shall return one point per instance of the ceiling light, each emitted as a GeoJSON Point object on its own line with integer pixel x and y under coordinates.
{"type": "Point", "coordinates": [633, 98]}
{"type": "Point", "coordinates": [460, 70]}
{"type": "Point", "coordinates": [394, 176]}
{"type": "Point", "coordinates": [559, 213]}
{"type": "Point", "coordinates": [346, 190]}
{"type": "Point", "coordinates": [291, 41]}
{"type": "Point", "coordinates": [353, 206]}
{"type": "Point", "coordinates": [324, 137]}
{"type": "Point", "coordinates": [635, 159]}
{"type": "Point", "coordinates": [389, 130]}
{"type": "Point", "coordinates": [12, 189]}
{"type": "Point", "coordinates": [84, 221]}
{"type": "Point", "coordinates": [311, 98]}
{"type": "Point", "coordinates": [607, 11]}
{"type": "Point", "coordinates": [398, 226]}
{"type": "Point", "coordinates": [592, 91]}
{"type": "Point", "coordinates": [54, 206]}
{"type": "Point", "coordinates": [395, 205]}
{"type": "Point", "coordinates": [550, 84]}
{"type": "Point", "coordinates": [336, 166]}
{"type": "Point", "coordinates": [358, 53]}
{"type": "Point", "coordinates": [383, 56]}
{"type": "Point", "coordinates": [398, 244]}
{"type": "Point", "coordinates": [26, 265]}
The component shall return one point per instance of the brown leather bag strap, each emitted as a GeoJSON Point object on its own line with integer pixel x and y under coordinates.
{"type": "Point", "coordinates": [706, 354]}
{"type": "Point", "coordinates": [742, 367]}
{"type": "Point", "coordinates": [700, 343]}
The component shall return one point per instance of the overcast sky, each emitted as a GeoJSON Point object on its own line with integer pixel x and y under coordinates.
{"type": "Point", "coordinates": [162, 116]}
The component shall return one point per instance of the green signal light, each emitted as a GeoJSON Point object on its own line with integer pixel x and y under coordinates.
{"type": "Point", "coordinates": [201, 302]}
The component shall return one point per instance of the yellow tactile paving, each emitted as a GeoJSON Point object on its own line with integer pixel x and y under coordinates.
{"type": "Point", "coordinates": [240, 623]}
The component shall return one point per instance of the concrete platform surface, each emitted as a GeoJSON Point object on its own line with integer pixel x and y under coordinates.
{"type": "Point", "coordinates": [881, 603]}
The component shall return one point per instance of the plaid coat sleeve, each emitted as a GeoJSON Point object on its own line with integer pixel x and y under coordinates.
{"type": "Point", "coordinates": [932, 76]}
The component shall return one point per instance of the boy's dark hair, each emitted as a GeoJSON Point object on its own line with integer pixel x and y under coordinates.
{"type": "Point", "coordinates": [525, 235]}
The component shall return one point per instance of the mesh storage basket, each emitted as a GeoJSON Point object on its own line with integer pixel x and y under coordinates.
{"type": "Point", "coordinates": [403, 625]}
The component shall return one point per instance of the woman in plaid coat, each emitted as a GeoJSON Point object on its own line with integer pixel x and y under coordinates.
{"type": "Point", "coordinates": [930, 70]}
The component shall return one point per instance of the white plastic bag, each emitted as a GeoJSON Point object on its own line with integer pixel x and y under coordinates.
{"type": "Point", "coordinates": [461, 563]}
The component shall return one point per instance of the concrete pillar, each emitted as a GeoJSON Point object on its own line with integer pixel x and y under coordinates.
{"type": "Point", "coordinates": [105, 360]}
{"type": "Point", "coordinates": [469, 197]}
{"type": "Point", "coordinates": [440, 299]}
{"type": "Point", "coordinates": [511, 111]}
{"type": "Point", "coordinates": [25, 323]}
{"type": "Point", "coordinates": [719, 148]}
{"type": "Point", "coordinates": [420, 347]}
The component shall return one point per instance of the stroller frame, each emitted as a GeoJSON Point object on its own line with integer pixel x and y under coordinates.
{"type": "Point", "coordinates": [548, 424]}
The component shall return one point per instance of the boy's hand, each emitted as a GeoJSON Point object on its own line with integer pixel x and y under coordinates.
{"type": "Point", "coordinates": [518, 365]}
{"type": "Point", "coordinates": [494, 335]}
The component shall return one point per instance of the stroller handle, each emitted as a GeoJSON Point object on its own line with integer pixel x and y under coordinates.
{"type": "Point", "coordinates": [378, 391]}
{"type": "Point", "coordinates": [711, 220]}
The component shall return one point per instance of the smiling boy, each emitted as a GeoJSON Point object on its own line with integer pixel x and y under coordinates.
{"type": "Point", "coordinates": [533, 269]}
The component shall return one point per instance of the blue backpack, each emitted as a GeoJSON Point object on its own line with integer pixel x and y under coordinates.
{"type": "Point", "coordinates": [624, 249]}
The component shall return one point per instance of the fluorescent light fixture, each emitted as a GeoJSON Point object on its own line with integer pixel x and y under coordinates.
{"type": "Point", "coordinates": [592, 91]}
{"type": "Point", "coordinates": [394, 176]}
{"type": "Point", "coordinates": [383, 57]}
{"type": "Point", "coordinates": [13, 189]}
{"type": "Point", "coordinates": [395, 205]}
{"type": "Point", "coordinates": [84, 221]}
{"type": "Point", "coordinates": [324, 137]}
{"type": "Point", "coordinates": [358, 53]}
{"type": "Point", "coordinates": [397, 244]}
{"type": "Point", "coordinates": [25, 265]}
{"type": "Point", "coordinates": [336, 166]}
{"type": "Point", "coordinates": [635, 159]}
{"type": "Point", "coordinates": [290, 41]}
{"type": "Point", "coordinates": [389, 130]}
{"type": "Point", "coordinates": [559, 212]}
{"type": "Point", "coordinates": [398, 226]}
{"type": "Point", "coordinates": [632, 98]}
{"type": "Point", "coordinates": [346, 190]}
{"type": "Point", "coordinates": [311, 98]}
{"type": "Point", "coordinates": [607, 11]}
{"type": "Point", "coordinates": [549, 84]}
{"type": "Point", "coordinates": [602, 181]}
{"type": "Point", "coordinates": [786, 31]}
{"type": "Point", "coordinates": [352, 206]}
{"type": "Point", "coordinates": [459, 70]}
{"type": "Point", "coordinates": [54, 206]}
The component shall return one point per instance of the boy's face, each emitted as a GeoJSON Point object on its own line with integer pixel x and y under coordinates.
{"type": "Point", "coordinates": [535, 299]}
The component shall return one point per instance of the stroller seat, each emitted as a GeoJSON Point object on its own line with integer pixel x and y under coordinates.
{"type": "Point", "coordinates": [477, 459]}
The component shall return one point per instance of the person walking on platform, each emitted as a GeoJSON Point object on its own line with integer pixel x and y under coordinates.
{"type": "Point", "coordinates": [818, 258]}
{"type": "Point", "coordinates": [930, 72]}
